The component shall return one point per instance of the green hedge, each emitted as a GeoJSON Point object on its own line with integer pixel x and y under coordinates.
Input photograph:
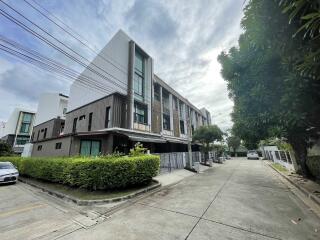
{"type": "Point", "coordinates": [313, 163]}
{"type": "Point", "coordinates": [90, 173]}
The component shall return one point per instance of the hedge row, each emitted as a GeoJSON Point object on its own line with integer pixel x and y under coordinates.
{"type": "Point", "coordinates": [90, 173]}
{"type": "Point", "coordinates": [313, 163]}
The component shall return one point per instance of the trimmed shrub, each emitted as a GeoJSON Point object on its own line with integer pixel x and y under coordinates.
{"type": "Point", "coordinates": [313, 163]}
{"type": "Point", "coordinates": [90, 173]}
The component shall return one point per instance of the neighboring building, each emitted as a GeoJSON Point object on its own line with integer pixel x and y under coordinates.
{"type": "Point", "coordinates": [18, 129]}
{"type": "Point", "coordinates": [206, 116]}
{"type": "Point", "coordinates": [135, 106]}
{"type": "Point", "coordinates": [2, 127]}
{"type": "Point", "coordinates": [51, 105]}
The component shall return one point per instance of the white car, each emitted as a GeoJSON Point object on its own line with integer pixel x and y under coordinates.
{"type": "Point", "coordinates": [252, 154]}
{"type": "Point", "coordinates": [8, 173]}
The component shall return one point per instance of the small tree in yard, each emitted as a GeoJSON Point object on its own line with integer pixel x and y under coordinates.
{"type": "Point", "coordinates": [5, 149]}
{"type": "Point", "coordinates": [207, 135]}
{"type": "Point", "coordinates": [233, 143]}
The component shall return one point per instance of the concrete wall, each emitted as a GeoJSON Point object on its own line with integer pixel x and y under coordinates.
{"type": "Point", "coordinates": [53, 127]}
{"type": "Point", "coordinates": [117, 52]}
{"type": "Point", "coordinates": [156, 117]}
{"type": "Point", "coordinates": [117, 104]}
{"type": "Point", "coordinates": [49, 147]}
{"type": "Point", "coordinates": [50, 106]}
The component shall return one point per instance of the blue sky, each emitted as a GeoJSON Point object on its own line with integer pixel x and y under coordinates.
{"type": "Point", "coordinates": [183, 37]}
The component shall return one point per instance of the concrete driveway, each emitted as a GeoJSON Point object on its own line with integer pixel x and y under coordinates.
{"type": "Point", "coordinates": [240, 199]}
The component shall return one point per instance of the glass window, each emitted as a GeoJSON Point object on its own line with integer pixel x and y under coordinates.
{"type": "Point", "coordinates": [27, 117]}
{"type": "Point", "coordinates": [138, 85]}
{"type": "Point", "coordinates": [82, 117]}
{"type": "Point", "coordinates": [39, 147]}
{"type": "Point", "coordinates": [139, 62]}
{"type": "Point", "coordinates": [22, 140]}
{"type": "Point", "coordinates": [138, 81]}
{"type": "Point", "coordinates": [165, 102]}
{"type": "Point", "coordinates": [166, 122]}
{"type": "Point", "coordinates": [58, 145]}
{"type": "Point", "coordinates": [90, 147]}
{"type": "Point", "coordinates": [182, 127]}
{"type": "Point", "coordinates": [95, 148]}
{"type": "Point", "coordinates": [140, 113]}
{"type": "Point", "coordinates": [24, 127]}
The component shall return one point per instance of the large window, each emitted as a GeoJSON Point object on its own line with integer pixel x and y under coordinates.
{"type": "Point", "coordinates": [26, 123]}
{"type": "Point", "coordinates": [90, 147]}
{"type": "Point", "coordinates": [138, 81]}
{"type": "Point", "coordinates": [165, 102]}
{"type": "Point", "coordinates": [140, 113]}
{"type": "Point", "coordinates": [166, 122]}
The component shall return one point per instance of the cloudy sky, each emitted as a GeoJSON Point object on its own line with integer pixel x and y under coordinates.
{"type": "Point", "coordinates": [183, 37]}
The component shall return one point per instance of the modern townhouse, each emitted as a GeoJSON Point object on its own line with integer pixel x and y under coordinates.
{"type": "Point", "coordinates": [127, 104]}
{"type": "Point", "coordinates": [18, 129]}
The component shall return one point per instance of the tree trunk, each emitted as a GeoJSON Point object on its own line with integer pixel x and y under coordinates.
{"type": "Point", "coordinates": [300, 150]}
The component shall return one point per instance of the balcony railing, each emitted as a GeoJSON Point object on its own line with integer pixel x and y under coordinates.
{"type": "Point", "coordinates": [141, 127]}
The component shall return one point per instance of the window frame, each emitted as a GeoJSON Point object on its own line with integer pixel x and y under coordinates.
{"type": "Point", "coordinates": [138, 115]}
{"type": "Point", "coordinates": [166, 123]}
{"type": "Point", "coordinates": [58, 145]}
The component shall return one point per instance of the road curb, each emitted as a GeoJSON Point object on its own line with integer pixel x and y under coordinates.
{"type": "Point", "coordinates": [308, 194]}
{"type": "Point", "coordinates": [91, 202]}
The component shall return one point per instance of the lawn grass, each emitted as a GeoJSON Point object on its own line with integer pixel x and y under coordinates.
{"type": "Point", "coordinates": [84, 194]}
{"type": "Point", "coordinates": [279, 167]}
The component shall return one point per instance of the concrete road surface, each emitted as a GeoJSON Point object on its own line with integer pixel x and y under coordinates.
{"type": "Point", "coordinates": [240, 199]}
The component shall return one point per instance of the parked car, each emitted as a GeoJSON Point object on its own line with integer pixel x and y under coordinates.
{"type": "Point", "coordinates": [8, 173]}
{"type": "Point", "coordinates": [252, 154]}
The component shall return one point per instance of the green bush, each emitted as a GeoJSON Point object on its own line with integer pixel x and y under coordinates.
{"type": "Point", "coordinates": [90, 173]}
{"type": "Point", "coordinates": [5, 149]}
{"type": "Point", "coordinates": [313, 163]}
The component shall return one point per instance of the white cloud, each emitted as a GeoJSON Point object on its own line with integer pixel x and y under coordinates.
{"type": "Point", "coordinates": [183, 38]}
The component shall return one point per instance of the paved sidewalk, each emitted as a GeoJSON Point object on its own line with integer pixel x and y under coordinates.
{"type": "Point", "coordinates": [310, 188]}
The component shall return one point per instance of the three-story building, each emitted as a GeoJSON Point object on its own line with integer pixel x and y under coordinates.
{"type": "Point", "coordinates": [131, 105]}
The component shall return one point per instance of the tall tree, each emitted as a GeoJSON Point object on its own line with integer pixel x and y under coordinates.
{"type": "Point", "coordinates": [272, 96]}
{"type": "Point", "coordinates": [207, 135]}
{"type": "Point", "coordinates": [233, 143]}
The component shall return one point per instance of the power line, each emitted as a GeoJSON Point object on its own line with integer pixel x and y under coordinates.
{"type": "Point", "coordinates": [73, 35]}
{"type": "Point", "coordinates": [39, 36]}
{"type": "Point", "coordinates": [47, 63]}
{"type": "Point", "coordinates": [42, 38]}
